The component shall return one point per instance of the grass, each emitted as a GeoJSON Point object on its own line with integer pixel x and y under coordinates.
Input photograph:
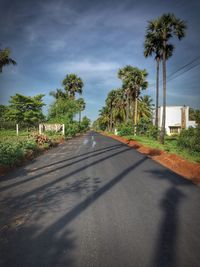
{"type": "Point", "coordinates": [170, 146]}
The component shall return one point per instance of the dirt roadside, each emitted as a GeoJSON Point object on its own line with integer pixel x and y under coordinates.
{"type": "Point", "coordinates": [188, 170]}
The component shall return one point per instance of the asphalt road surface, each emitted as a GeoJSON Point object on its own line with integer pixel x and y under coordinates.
{"type": "Point", "coordinates": [95, 202]}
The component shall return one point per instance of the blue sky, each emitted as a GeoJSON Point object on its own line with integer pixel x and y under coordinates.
{"type": "Point", "coordinates": [93, 39]}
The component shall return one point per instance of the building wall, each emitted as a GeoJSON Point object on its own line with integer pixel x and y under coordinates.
{"type": "Point", "coordinates": [174, 118]}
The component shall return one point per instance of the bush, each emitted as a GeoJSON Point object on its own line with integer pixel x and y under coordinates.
{"type": "Point", "coordinates": [190, 139]}
{"type": "Point", "coordinates": [125, 129]}
{"type": "Point", "coordinates": [152, 131]}
{"type": "Point", "coordinates": [71, 129]}
{"type": "Point", "coordinates": [11, 153]}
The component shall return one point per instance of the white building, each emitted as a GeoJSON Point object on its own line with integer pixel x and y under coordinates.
{"type": "Point", "coordinates": [177, 118]}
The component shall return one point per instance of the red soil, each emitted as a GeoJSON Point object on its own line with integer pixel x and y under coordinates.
{"type": "Point", "coordinates": [188, 170]}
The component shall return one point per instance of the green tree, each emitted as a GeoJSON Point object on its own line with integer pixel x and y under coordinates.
{"type": "Point", "coordinates": [62, 110]}
{"type": "Point", "coordinates": [166, 27]}
{"type": "Point", "coordinates": [72, 85]}
{"type": "Point", "coordinates": [5, 58]}
{"type": "Point", "coordinates": [3, 112]}
{"type": "Point", "coordinates": [26, 110]}
{"type": "Point", "coordinates": [85, 124]}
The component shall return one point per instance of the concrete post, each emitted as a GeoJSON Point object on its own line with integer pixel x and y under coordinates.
{"type": "Point", "coordinates": [63, 129]}
{"type": "Point", "coordinates": [17, 129]}
{"type": "Point", "coordinates": [40, 128]}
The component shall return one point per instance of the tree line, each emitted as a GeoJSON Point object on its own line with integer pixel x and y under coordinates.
{"type": "Point", "coordinates": [28, 110]}
{"type": "Point", "coordinates": [126, 104]}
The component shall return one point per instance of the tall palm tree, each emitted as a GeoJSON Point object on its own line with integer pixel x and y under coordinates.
{"type": "Point", "coordinates": [81, 107]}
{"type": "Point", "coordinates": [73, 84]}
{"type": "Point", "coordinates": [5, 58]}
{"type": "Point", "coordinates": [167, 27]}
{"type": "Point", "coordinates": [125, 74]}
{"type": "Point", "coordinates": [153, 45]}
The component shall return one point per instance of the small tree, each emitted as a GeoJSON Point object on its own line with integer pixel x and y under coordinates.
{"type": "Point", "coordinates": [26, 110]}
{"type": "Point", "coordinates": [85, 124]}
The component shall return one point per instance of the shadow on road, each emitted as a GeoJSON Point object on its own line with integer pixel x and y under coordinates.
{"type": "Point", "coordinates": [26, 180]}
{"type": "Point", "coordinates": [166, 247]}
{"type": "Point", "coordinates": [36, 247]}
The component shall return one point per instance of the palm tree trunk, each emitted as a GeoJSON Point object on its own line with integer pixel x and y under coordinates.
{"type": "Point", "coordinates": [157, 89]}
{"type": "Point", "coordinates": [79, 117]}
{"type": "Point", "coordinates": [135, 114]}
{"type": "Point", "coordinates": [162, 133]}
{"type": "Point", "coordinates": [127, 107]}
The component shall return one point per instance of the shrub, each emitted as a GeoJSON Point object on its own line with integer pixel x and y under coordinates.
{"type": "Point", "coordinates": [10, 153]}
{"type": "Point", "coordinates": [152, 131]}
{"type": "Point", "coordinates": [125, 129]}
{"type": "Point", "coordinates": [71, 129]}
{"type": "Point", "coordinates": [190, 139]}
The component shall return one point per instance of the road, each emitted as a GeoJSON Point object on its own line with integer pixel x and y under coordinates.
{"type": "Point", "coordinates": [95, 202]}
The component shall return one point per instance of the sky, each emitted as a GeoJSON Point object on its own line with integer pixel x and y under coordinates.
{"type": "Point", "coordinates": [93, 39]}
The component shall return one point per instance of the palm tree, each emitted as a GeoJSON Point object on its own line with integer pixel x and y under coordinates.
{"type": "Point", "coordinates": [104, 118]}
{"type": "Point", "coordinates": [145, 107]}
{"type": "Point", "coordinates": [72, 85]}
{"type": "Point", "coordinates": [154, 45]}
{"type": "Point", "coordinates": [125, 74]}
{"type": "Point", "coordinates": [81, 107]}
{"type": "Point", "coordinates": [5, 58]}
{"type": "Point", "coordinates": [110, 101]}
{"type": "Point", "coordinates": [134, 80]}
{"type": "Point", "coordinates": [59, 94]}
{"type": "Point", "coordinates": [166, 27]}
{"type": "Point", "coordinates": [119, 106]}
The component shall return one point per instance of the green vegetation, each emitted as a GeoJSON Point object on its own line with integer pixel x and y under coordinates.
{"type": "Point", "coordinates": [172, 145]}
{"type": "Point", "coordinates": [26, 111]}
{"type": "Point", "coordinates": [5, 58]}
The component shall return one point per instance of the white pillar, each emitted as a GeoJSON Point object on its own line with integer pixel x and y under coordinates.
{"type": "Point", "coordinates": [40, 128]}
{"type": "Point", "coordinates": [63, 129]}
{"type": "Point", "coordinates": [17, 129]}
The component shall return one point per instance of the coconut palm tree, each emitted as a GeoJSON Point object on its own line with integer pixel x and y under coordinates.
{"type": "Point", "coordinates": [5, 58]}
{"type": "Point", "coordinates": [81, 107]}
{"type": "Point", "coordinates": [153, 45]}
{"type": "Point", "coordinates": [166, 27]}
{"type": "Point", "coordinates": [72, 85]}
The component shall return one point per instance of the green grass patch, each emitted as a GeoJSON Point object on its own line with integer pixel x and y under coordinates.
{"type": "Point", "coordinates": [171, 146]}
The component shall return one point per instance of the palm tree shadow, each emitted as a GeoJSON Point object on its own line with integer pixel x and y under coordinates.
{"type": "Point", "coordinates": [166, 247]}
{"type": "Point", "coordinates": [165, 252]}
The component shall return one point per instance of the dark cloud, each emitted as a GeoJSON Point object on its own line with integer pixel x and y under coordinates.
{"type": "Point", "coordinates": [92, 38]}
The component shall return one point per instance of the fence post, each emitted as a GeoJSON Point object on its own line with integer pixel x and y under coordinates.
{"type": "Point", "coordinates": [63, 129]}
{"type": "Point", "coordinates": [40, 128]}
{"type": "Point", "coordinates": [17, 129]}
